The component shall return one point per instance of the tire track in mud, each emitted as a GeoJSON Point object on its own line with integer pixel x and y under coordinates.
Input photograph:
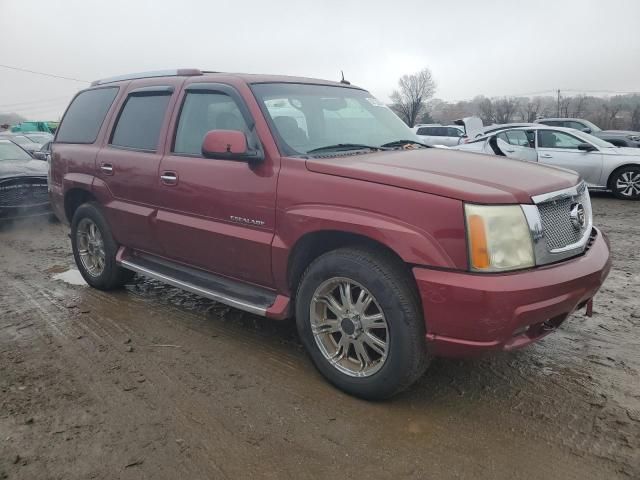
{"type": "Point", "coordinates": [246, 402]}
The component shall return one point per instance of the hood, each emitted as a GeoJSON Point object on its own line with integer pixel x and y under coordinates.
{"type": "Point", "coordinates": [451, 173]}
{"type": "Point", "coordinates": [22, 168]}
{"type": "Point", "coordinates": [618, 132]}
{"type": "Point", "coordinates": [624, 151]}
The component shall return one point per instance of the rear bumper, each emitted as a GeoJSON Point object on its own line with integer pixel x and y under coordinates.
{"type": "Point", "coordinates": [467, 313]}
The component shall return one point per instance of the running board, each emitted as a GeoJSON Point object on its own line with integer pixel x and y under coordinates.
{"type": "Point", "coordinates": [245, 297]}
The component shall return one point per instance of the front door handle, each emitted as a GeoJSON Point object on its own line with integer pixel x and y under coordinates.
{"type": "Point", "coordinates": [169, 178]}
{"type": "Point", "coordinates": [546, 155]}
{"type": "Point", "coordinates": [107, 168]}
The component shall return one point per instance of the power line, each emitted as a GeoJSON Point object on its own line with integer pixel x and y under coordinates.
{"type": "Point", "coordinates": [44, 74]}
{"type": "Point", "coordinates": [36, 103]}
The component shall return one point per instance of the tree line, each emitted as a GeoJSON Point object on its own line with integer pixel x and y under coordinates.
{"type": "Point", "coordinates": [414, 102]}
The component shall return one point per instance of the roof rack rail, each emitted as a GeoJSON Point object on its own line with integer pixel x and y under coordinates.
{"type": "Point", "coordinates": [179, 72]}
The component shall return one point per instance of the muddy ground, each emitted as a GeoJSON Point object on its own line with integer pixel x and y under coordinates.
{"type": "Point", "coordinates": [153, 383]}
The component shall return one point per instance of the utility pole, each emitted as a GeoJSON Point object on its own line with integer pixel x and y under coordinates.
{"type": "Point", "coordinates": [558, 102]}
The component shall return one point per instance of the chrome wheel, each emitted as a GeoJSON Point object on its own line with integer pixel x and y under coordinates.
{"type": "Point", "coordinates": [90, 246]}
{"type": "Point", "coordinates": [349, 327]}
{"type": "Point", "coordinates": [628, 184]}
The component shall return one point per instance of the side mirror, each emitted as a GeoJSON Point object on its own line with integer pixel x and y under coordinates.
{"type": "Point", "coordinates": [586, 147]}
{"type": "Point", "coordinates": [40, 155]}
{"type": "Point", "coordinates": [586, 130]}
{"type": "Point", "coordinates": [228, 145]}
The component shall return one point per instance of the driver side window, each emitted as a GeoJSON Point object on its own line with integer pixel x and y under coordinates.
{"type": "Point", "coordinates": [555, 139]}
{"type": "Point", "coordinates": [202, 112]}
{"type": "Point", "coordinates": [515, 137]}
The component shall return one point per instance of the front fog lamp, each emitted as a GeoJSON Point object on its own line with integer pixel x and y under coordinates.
{"type": "Point", "coordinates": [498, 237]}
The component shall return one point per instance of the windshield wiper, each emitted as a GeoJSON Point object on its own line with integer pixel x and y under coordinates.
{"type": "Point", "coordinates": [402, 143]}
{"type": "Point", "coordinates": [345, 146]}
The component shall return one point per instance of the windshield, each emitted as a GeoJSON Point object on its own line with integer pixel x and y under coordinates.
{"type": "Point", "coordinates": [309, 117]}
{"type": "Point", "coordinates": [22, 140]}
{"type": "Point", "coordinates": [592, 126]}
{"type": "Point", "coordinates": [40, 138]}
{"type": "Point", "coordinates": [10, 151]}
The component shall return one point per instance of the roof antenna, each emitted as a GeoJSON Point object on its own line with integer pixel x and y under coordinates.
{"type": "Point", "coordinates": [346, 82]}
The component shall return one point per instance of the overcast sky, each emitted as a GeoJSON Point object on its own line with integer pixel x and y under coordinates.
{"type": "Point", "coordinates": [490, 47]}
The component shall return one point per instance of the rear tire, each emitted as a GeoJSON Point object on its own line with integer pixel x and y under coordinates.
{"type": "Point", "coordinates": [94, 249]}
{"type": "Point", "coordinates": [625, 183]}
{"type": "Point", "coordinates": [359, 355]}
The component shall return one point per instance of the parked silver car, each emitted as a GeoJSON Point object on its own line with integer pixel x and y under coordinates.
{"type": "Point", "coordinates": [602, 165]}
{"type": "Point", "coordinates": [618, 138]}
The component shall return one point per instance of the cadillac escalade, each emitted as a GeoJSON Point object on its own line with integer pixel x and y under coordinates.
{"type": "Point", "coordinates": [294, 197]}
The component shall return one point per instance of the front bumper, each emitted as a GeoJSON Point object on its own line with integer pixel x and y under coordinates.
{"type": "Point", "coordinates": [467, 313]}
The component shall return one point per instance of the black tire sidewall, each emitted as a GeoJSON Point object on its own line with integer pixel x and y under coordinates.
{"type": "Point", "coordinates": [109, 276]}
{"type": "Point", "coordinates": [405, 323]}
{"type": "Point", "coordinates": [615, 178]}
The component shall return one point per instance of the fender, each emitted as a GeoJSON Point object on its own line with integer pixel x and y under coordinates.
{"type": "Point", "coordinates": [82, 181]}
{"type": "Point", "coordinates": [413, 245]}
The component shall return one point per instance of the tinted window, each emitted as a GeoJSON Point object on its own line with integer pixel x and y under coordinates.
{"type": "Point", "coordinates": [140, 121]}
{"type": "Point", "coordinates": [553, 123]}
{"type": "Point", "coordinates": [202, 112]}
{"type": "Point", "coordinates": [85, 115]}
{"type": "Point", "coordinates": [454, 132]}
{"type": "Point", "coordinates": [552, 139]}
{"type": "Point", "coordinates": [426, 131]}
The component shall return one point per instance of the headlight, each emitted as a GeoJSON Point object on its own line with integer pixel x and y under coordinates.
{"type": "Point", "coordinates": [498, 237]}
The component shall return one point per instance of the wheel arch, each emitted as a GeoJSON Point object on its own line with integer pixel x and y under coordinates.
{"type": "Point", "coordinates": [75, 197]}
{"type": "Point", "coordinates": [616, 170]}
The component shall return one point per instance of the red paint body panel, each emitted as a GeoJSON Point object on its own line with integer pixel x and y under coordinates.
{"type": "Point", "coordinates": [451, 173]}
{"type": "Point", "coordinates": [243, 220]}
{"type": "Point", "coordinates": [468, 313]}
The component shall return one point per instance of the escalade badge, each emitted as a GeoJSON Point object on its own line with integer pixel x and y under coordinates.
{"type": "Point", "coordinates": [577, 216]}
{"type": "Point", "coordinates": [246, 221]}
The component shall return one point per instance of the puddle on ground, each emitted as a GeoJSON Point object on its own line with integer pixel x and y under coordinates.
{"type": "Point", "coordinates": [72, 277]}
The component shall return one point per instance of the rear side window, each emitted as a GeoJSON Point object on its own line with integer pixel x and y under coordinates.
{"type": "Point", "coordinates": [140, 120]}
{"type": "Point", "coordinates": [85, 115]}
{"type": "Point", "coordinates": [432, 131]}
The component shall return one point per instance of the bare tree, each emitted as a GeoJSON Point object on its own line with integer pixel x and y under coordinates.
{"type": "Point", "coordinates": [486, 111]}
{"type": "Point", "coordinates": [579, 104]}
{"type": "Point", "coordinates": [635, 118]}
{"type": "Point", "coordinates": [529, 109]}
{"type": "Point", "coordinates": [505, 108]}
{"type": "Point", "coordinates": [412, 94]}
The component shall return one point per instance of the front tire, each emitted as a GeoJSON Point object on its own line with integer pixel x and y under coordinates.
{"type": "Point", "coordinates": [94, 249]}
{"type": "Point", "coordinates": [359, 317]}
{"type": "Point", "coordinates": [625, 183]}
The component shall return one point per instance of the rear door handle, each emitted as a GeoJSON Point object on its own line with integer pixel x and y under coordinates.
{"type": "Point", "coordinates": [169, 178]}
{"type": "Point", "coordinates": [107, 168]}
{"type": "Point", "coordinates": [546, 155]}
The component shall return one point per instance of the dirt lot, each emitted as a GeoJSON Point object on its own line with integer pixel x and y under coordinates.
{"type": "Point", "coordinates": [150, 382]}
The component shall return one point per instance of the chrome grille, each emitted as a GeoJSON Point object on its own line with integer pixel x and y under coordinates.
{"type": "Point", "coordinates": [557, 224]}
{"type": "Point", "coordinates": [555, 234]}
{"type": "Point", "coordinates": [556, 219]}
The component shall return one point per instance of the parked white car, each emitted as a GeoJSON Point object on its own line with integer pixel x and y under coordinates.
{"type": "Point", "coordinates": [436, 134]}
{"type": "Point", "coordinates": [601, 165]}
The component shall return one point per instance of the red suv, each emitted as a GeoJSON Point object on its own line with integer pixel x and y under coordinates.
{"type": "Point", "coordinates": [293, 197]}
